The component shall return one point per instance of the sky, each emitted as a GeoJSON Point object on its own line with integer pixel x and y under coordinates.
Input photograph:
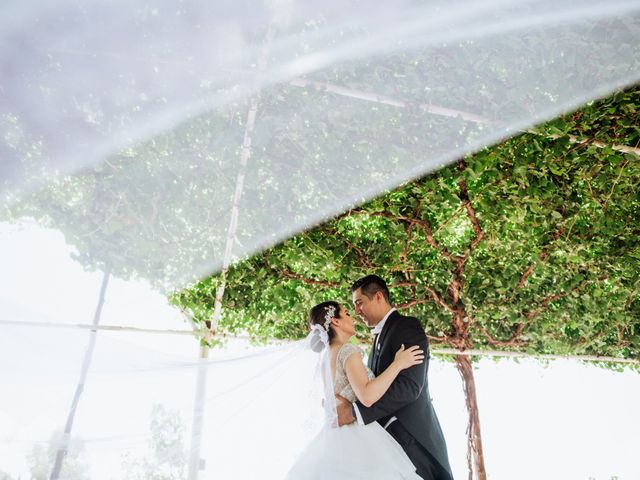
{"type": "Point", "coordinates": [558, 420]}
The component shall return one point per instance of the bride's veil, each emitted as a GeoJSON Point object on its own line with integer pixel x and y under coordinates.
{"type": "Point", "coordinates": [246, 409]}
{"type": "Point", "coordinates": [325, 379]}
{"type": "Point", "coordinates": [165, 140]}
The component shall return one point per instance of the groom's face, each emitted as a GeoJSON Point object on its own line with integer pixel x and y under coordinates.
{"type": "Point", "coordinates": [366, 308]}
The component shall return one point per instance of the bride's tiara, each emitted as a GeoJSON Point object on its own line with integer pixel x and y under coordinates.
{"type": "Point", "coordinates": [331, 312]}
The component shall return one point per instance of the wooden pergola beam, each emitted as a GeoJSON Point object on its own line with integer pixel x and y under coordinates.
{"type": "Point", "coordinates": [445, 112]}
{"type": "Point", "coordinates": [435, 351]}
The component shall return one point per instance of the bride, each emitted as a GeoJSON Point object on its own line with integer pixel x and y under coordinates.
{"type": "Point", "coordinates": [352, 451]}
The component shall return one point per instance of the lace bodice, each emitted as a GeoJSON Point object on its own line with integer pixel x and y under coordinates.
{"type": "Point", "coordinates": [341, 384]}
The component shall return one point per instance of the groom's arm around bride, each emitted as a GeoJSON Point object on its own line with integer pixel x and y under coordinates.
{"type": "Point", "coordinates": [405, 410]}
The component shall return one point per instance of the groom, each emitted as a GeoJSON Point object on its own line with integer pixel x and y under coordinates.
{"type": "Point", "coordinates": [405, 410]}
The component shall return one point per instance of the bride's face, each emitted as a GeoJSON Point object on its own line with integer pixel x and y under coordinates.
{"type": "Point", "coordinates": [347, 323]}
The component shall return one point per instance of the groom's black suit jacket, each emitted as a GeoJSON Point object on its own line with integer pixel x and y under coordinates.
{"type": "Point", "coordinates": [408, 397]}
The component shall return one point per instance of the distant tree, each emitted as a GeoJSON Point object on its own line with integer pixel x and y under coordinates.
{"type": "Point", "coordinates": [42, 457]}
{"type": "Point", "coordinates": [167, 458]}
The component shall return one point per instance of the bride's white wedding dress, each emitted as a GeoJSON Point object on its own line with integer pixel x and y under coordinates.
{"type": "Point", "coordinates": [352, 451]}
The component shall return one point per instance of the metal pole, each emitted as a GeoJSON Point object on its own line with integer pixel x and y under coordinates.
{"type": "Point", "coordinates": [195, 462]}
{"type": "Point", "coordinates": [245, 155]}
{"type": "Point", "coordinates": [63, 447]}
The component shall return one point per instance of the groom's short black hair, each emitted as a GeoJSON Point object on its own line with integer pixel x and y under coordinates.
{"type": "Point", "coordinates": [370, 285]}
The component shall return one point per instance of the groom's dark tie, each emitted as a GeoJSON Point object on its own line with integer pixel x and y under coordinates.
{"type": "Point", "coordinates": [374, 351]}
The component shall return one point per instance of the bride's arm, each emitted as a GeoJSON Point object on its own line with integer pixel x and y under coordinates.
{"type": "Point", "coordinates": [370, 391]}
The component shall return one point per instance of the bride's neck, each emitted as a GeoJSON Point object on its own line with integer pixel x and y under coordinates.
{"type": "Point", "coordinates": [340, 339]}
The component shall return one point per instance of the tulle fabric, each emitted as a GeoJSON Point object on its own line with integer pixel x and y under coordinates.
{"type": "Point", "coordinates": [318, 341]}
{"type": "Point", "coordinates": [152, 134]}
{"type": "Point", "coordinates": [353, 452]}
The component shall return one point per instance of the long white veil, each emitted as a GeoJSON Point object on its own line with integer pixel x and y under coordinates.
{"type": "Point", "coordinates": [135, 415]}
{"type": "Point", "coordinates": [318, 341]}
{"type": "Point", "coordinates": [149, 132]}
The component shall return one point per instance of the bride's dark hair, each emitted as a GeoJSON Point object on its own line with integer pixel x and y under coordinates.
{"type": "Point", "coordinates": [318, 313]}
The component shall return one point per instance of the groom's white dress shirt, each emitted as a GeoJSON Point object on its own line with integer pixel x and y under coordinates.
{"type": "Point", "coordinates": [376, 331]}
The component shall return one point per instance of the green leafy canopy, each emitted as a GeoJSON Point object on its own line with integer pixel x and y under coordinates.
{"type": "Point", "coordinates": [530, 245]}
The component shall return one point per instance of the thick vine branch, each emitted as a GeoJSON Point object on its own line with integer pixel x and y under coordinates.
{"type": "Point", "coordinates": [435, 297]}
{"type": "Point", "coordinates": [409, 236]}
{"type": "Point", "coordinates": [413, 303]}
{"type": "Point", "coordinates": [466, 202]}
{"type": "Point", "coordinates": [530, 315]}
{"type": "Point", "coordinates": [460, 317]}
{"type": "Point", "coordinates": [429, 236]}
{"type": "Point", "coordinates": [545, 304]}
{"type": "Point", "coordinates": [613, 187]}
{"type": "Point", "coordinates": [404, 284]}
{"type": "Point", "coordinates": [513, 341]}
{"type": "Point", "coordinates": [439, 300]}
{"type": "Point", "coordinates": [593, 196]}
{"type": "Point", "coordinates": [403, 306]}
{"type": "Point", "coordinates": [417, 221]}
{"type": "Point", "coordinates": [362, 257]}
{"type": "Point", "coordinates": [309, 281]}
{"type": "Point", "coordinates": [527, 273]}
{"type": "Point", "coordinates": [544, 253]}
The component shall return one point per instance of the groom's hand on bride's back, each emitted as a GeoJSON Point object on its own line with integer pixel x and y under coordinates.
{"type": "Point", "coordinates": [345, 411]}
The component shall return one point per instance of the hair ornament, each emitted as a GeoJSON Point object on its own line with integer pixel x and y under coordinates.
{"type": "Point", "coordinates": [331, 313]}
